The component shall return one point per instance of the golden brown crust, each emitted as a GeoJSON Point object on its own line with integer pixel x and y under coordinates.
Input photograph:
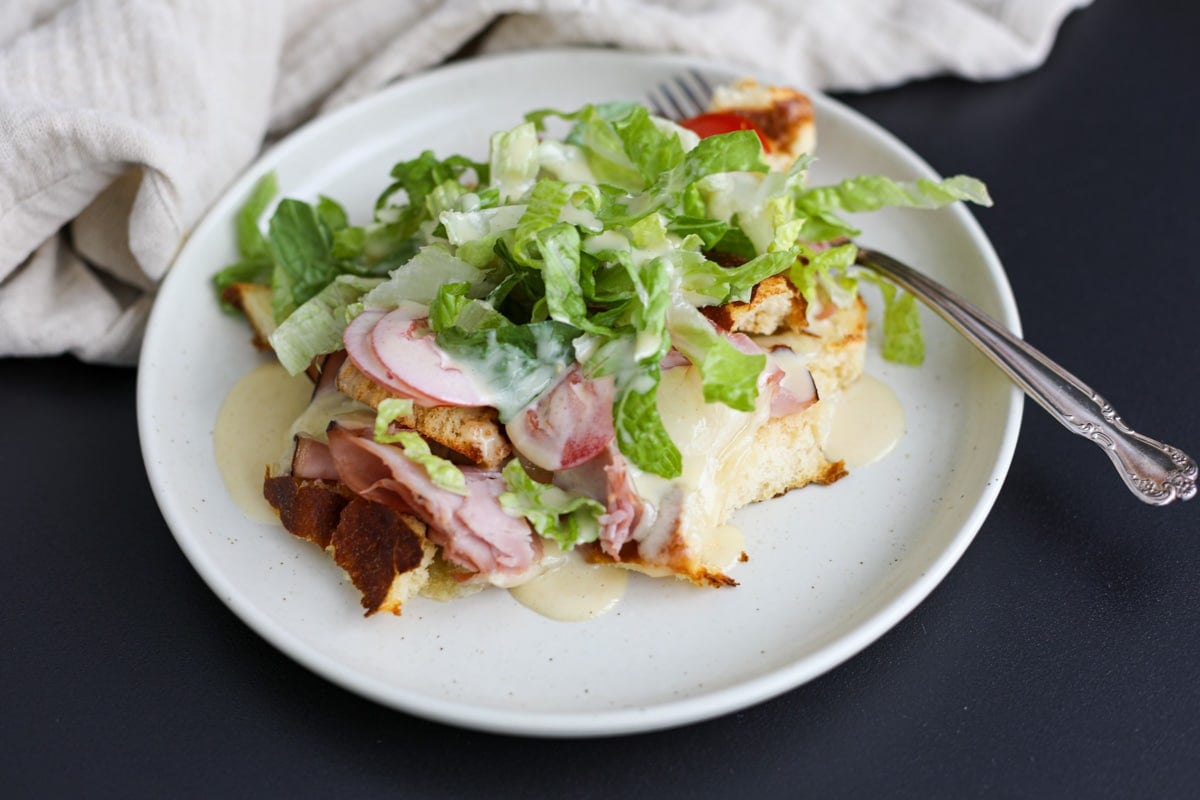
{"type": "Point", "coordinates": [773, 303]}
{"type": "Point", "coordinates": [383, 551]}
{"type": "Point", "coordinates": [308, 508]}
{"type": "Point", "coordinates": [473, 433]}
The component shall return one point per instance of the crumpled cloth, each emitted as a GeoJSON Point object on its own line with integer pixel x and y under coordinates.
{"type": "Point", "coordinates": [121, 121]}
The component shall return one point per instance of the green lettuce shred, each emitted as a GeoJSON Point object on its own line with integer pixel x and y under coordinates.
{"type": "Point", "coordinates": [567, 519]}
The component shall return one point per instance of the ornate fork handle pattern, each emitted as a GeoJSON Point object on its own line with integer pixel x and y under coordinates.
{"type": "Point", "coordinates": [1157, 473]}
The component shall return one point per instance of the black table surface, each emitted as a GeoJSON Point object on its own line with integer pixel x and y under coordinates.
{"type": "Point", "coordinates": [1058, 658]}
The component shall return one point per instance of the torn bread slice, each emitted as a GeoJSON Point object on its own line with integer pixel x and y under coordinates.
{"type": "Point", "coordinates": [253, 300]}
{"type": "Point", "coordinates": [732, 459]}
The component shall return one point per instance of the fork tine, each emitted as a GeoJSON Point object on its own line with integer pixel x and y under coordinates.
{"type": "Point", "coordinates": [704, 85]}
{"type": "Point", "coordinates": [698, 105]}
{"type": "Point", "coordinates": [679, 97]}
{"type": "Point", "coordinates": [680, 113]}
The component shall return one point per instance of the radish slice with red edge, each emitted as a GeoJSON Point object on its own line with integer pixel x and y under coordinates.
{"type": "Point", "coordinates": [568, 425]}
{"type": "Point", "coordinates": [357, 339]}
{"type": "Point", "coordinates": [407, 349]}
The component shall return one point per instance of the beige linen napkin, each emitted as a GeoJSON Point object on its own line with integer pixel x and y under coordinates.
{"type": "Point", "coordinates": [121, 121]}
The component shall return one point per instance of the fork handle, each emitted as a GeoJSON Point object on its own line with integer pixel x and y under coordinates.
{"type": "Point", "coordinates": [1157, 473]}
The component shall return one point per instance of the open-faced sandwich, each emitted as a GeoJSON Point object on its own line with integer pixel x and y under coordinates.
{"type": "Point", "coordinates": [605, 341]}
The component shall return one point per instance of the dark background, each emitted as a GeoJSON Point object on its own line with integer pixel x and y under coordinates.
{"type": "Point", "coordinates": [1057, 659]}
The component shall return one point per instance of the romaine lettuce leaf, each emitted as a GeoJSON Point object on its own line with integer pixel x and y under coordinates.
{"type": "Point", "coordinates": [516, 362]}
{"type": "Point", "coordinates": [727, 375]}
{"type": "Point", "coordinates": [316, 327]}
{"type": "Point", "coordinates": [641, 435]}
{"type": "Point", "coordinates": [567, 519]}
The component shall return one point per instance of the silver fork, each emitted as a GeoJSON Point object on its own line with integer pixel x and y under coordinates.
{"type": "Point", "coordinates": [1155, 472]}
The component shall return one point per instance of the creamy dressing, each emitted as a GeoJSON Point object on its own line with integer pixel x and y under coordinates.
{"type": "Point", "coordinates": [867, 423]}
{"type": "Point", "coordinates": [570, 589]}
{"type": "Point", "coordinates": [253, 433]}
{"type": "Point", "coordinates": [566, 162]}
{"type": "Point", "coordinates": [263, 411]}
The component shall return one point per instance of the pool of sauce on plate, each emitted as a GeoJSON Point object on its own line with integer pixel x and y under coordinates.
{"type": "Point", "coordinates": [867, 423]}
{"type": "Point", "coordinates": [253, 431]}
{"type": "Point", "coordinates": [571, 589]}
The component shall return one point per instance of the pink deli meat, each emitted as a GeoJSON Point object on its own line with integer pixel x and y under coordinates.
{"type": "Point", "coordinates": [473, 531]}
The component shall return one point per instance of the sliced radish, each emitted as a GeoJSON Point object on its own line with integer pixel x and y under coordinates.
{"type": "Point", "coordinates": [406, 348]}
{"type": "Point", "coordinates": [357, 339]}
{"type": "Point", "coordinates": [568, 425]}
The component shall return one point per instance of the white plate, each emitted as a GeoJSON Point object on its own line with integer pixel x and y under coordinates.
{"type": "Point", "coordinates": [830, 570]}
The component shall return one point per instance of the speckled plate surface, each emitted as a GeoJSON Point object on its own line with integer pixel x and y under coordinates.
{"type": "Point", "coordinates": [830, 570]}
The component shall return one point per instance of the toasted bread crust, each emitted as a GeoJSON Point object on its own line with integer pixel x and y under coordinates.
{"type": "Point", "coordinates": [308, 508]}
{"type": "Point", "coordinates": [473, 433]}
{"type": "Point", "coordinates": [384, 552]}
{"type": "Point", "coordinates": [773, 303]}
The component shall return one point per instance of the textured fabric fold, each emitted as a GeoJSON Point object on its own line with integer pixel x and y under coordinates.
{"type": "Point", "coordinates": [121, 121]}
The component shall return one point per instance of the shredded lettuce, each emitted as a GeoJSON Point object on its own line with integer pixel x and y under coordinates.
{"type": "Point", "coordinates": [641, 435]}
{"type": "Point", "coordinates": [443, 473]}
{"type": "Point", "coordinates": [598, 246]}
{"type": "Point", "coordinates": [902, 340]}
{"type": "Point", "coordinates": [388, 411]}
{"type": "Point", "coordinates": [821, 206]}
{"type": "Point", "coordinates": [727, 375]}
{"type": "Point", "coordinates": [255, 263]}
{"type": "Point", "coordinates": [567, 519]}
{"type": "Point", "coordinates": [316, 327]}
{"type": "Point", "coordinates": [518, 362]}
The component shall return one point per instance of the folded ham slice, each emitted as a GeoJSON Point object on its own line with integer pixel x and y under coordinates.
{"type": "Point", "coordinates": [605, 479]}
{"type": "Point", "coordinates": [473, 531]}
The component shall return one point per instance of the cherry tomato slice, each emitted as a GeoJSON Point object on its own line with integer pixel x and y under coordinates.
{"type": "Point", "coordinates": [723, 122]}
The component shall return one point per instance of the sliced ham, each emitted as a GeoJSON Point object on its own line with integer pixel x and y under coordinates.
{"type": "Point", "coordinates": [313, 461]}
{"type": "Point", "coordinates": [623, 507]}
{"type": "Point", "coordinates": [606, 480]}
{"type": "Point", "coordinates": [568, 425]}
{"type": "Point", "coordinates": [473, 531]}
